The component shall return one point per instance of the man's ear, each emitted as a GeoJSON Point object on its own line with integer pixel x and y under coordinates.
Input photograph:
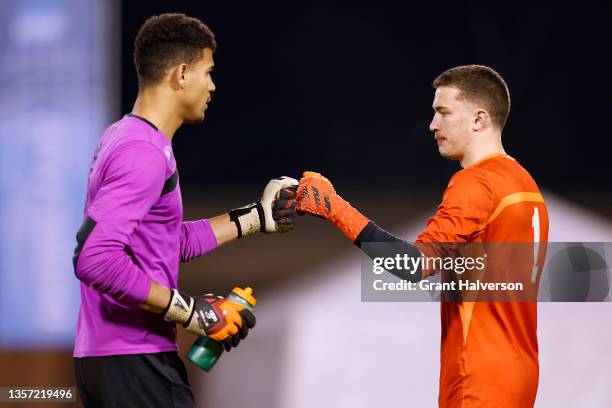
{"type": "Point", "coordinates": [182, 72]}
{"type": "Point", "coordinates": [481, 120]}
{"type": "Point", "coordinates": [178, 75]}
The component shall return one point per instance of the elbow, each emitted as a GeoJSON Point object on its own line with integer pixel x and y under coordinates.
{"type": "Point", "coordinates": [114, 274]}
{"type": "Point", "coordinates": [95, 264]}
{"type": "Point", "coordinates": [84, 270]}
{"type": "Point", "coordinates": [80, 271]}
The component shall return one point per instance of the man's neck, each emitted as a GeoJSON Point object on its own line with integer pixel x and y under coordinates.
{"type": "Point", "coordinates": [486, 146]}
{"type": "Point", "coordinates": [157, 109]}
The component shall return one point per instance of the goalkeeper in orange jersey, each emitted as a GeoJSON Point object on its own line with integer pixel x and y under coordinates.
{"type": "Point", "coordinates": [489, 351]}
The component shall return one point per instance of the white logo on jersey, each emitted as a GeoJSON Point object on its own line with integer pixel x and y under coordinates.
{"type": "Point", "coordinates": [167, 152]}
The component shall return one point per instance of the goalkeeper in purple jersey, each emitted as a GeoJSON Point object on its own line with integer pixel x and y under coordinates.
{"type": "Point", "coordinates": [133, 236]}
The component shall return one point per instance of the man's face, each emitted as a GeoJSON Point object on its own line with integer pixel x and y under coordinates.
{"type": "Point", "coordinates": [452, 122]}
{"type": "Point", "coordinates": [198, 88]}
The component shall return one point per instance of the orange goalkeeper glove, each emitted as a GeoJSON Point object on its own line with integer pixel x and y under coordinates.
{"type": "Point", "coordinates": [210, 315]}
{"type": "Point", "coordinates": [316, 195]}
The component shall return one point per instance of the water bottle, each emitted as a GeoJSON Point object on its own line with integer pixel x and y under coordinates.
{"type": "Point", "coordinates": [205, 352]}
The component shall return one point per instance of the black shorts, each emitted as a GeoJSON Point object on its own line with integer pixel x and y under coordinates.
{"type": "Point", "coordinates": [138, 380]}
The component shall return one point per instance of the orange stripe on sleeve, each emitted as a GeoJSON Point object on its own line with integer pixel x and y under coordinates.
{"type": "Point", "coordinates": [514, 199]}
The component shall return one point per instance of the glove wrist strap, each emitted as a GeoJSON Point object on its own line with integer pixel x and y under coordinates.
{"type": "Point", "coordinates": [180, 308]}
{"type": "Point", "coordinates": [249, 219]}
{"type": "Point", "coordinates": [197, 316]}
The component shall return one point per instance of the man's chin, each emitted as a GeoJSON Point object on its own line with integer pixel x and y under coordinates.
{"type": "Point", "coordinates": [443, 153]}
{"type": "Point", "coordinates": [446, 154]}
{"type": "Point", "coordinates": [195, 120]}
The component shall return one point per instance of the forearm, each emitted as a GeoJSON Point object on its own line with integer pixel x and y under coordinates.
{"type": "Point", "coordinates": [157, 299]}
{"type": "Point", "coordinates": [203, 236]}
{"type": "Point", "coordinates": [384, 244]}
{"type": "Point", "coordinates": [316, 195]}
{"type": "Point", "coordinates": [275, 212]}
{"type": "Point", "coordinates": [225, 230]}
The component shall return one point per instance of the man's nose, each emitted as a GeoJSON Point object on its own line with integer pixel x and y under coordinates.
{"type": "Point", "coordinates": [433, 126]}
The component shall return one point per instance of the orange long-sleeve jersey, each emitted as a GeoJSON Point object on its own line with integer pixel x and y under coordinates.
{"type": "Point", "coordinates": [489, 350]}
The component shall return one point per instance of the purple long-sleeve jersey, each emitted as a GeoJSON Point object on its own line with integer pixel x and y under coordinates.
{"type": "Point", "coordinates": [133, 232]}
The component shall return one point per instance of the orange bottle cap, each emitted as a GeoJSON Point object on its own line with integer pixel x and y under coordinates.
{"type": "Point", "coordinates": [246, 294]}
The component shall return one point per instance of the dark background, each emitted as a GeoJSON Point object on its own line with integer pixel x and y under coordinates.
{"type": "Point", "coordinates": [346, 90]}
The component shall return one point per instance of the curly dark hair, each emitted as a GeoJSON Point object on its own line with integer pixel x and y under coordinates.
{"type": "Point", "coordinates": [167, 40]}
{"type": "Point", "coordinates": [480, 84]}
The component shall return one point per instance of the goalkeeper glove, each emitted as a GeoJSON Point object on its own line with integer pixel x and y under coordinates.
{"type": "Point", "coordinates": [212, 316]}
{"type": "Point", "coordinates": [275, 212]}
{"type": "Point", "coordinates": [316, 195]}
